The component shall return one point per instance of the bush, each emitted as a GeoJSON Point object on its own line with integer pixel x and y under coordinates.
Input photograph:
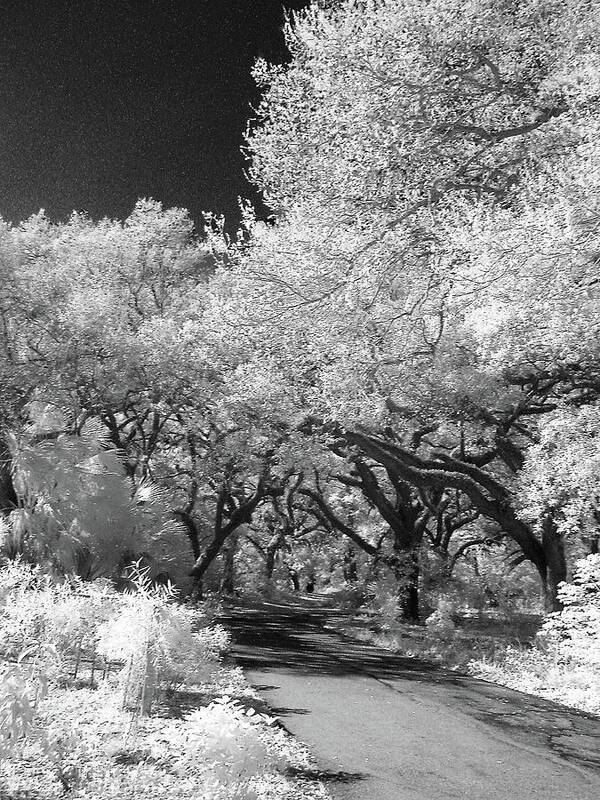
{"type": "Point", "coordinates": [233, 746]}
{"type": "Point", "coordinates": [155, 638]}
{"type": "Point", "coordinates": [82, 741]}
{"type": "Point", "coordinates": [573, 634]}
{"type": "Point", "coordinates": [59, 617]}
{"type": "Point", "coordinates": [564, 665]}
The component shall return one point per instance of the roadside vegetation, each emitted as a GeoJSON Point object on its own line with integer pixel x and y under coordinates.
{"type": "Point", "coordinates": [554, 656]}
{"type": "Point", "coordinates": [125, 695]}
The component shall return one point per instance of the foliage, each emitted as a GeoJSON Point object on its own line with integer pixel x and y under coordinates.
{"type": "Point", "coordinates": [21, 686]}
{"type": "Point", "coordinates": [100, 346]}
{"type": "Point", "coordinates": [429, 89]}
{"type": "Point", "coordinates": [82, 741]}
{"type": "Point", "coordinates": [402, 368]}
{"type": "Point", "coordinates": [441, 623]}
{"type": "Point", "coordinates": [485, 578]}
{"type": "Point", "coordinates": [77, 508]}
{"type": "Point", "coordinates": [379, 225]}
{"type": "Point", "coordinates": [154, 637]}
{"type": "Point", "coordinates": [574, 632]}
{"type": "Point", "coordinates": [428, 290]}
{"type": "Point", "coordinates": [564, 665]}
{"type": "Point", "coordinates": [562, 469]}
{"type": "Point", "coordinates": [58, 621]}
{"type": "Point", "coordinates": [230, 738]}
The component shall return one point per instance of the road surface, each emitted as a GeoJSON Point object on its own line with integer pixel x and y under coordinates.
{"type": "Point", "coordinates": [384, 727]}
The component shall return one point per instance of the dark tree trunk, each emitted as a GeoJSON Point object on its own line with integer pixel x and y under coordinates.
{"type": "Point", "coordinates": [556, 564]}
{"type": "Point", "coordinates": [350, 569]}
{"type": "Point", "coordinates": [409, 600]}
{"type": "Point", "coordinates": [228, 577]}
{"type": "Point", "coordinates": [191, 531]}
{"type": "Point", "coordinates": [223, 529]}
{"type": "Point", "coordinates": [406, 517]}
{"type": "Point", "coordinates": [8, 496]}
{"type": "Point", "coordinates": [488, 495]}
{"type": "Point", "coordinates": [197, 590]}
{"type": "Point", "coordinates": [206, 558]}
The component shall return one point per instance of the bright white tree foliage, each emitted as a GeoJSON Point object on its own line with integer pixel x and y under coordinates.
{"type": "Point", "coordinates": [430, 162]}
{"type": "Point", "coordinates": [561, 475]}
{"type": "Point", "coordinates": [433, 171]}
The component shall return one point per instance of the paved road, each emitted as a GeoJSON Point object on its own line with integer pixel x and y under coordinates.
{"type": "Point", "coordinates": [383, 727]}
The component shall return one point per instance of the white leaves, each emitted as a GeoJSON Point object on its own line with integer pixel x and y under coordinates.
{"type": "Point", "coordinates": [561, 474]}
{"type": "Point", "coordinates": [18, 692]}
{"type": "Point", "coordinates": [385, 268]}
{"type": "Point", "coordinates": [574, 632]}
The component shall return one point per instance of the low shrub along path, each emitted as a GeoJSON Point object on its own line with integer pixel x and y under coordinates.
{"type": "Point", "coordinates": [384, 727]}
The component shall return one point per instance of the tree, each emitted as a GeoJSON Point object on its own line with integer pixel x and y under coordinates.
{"type": "Point", "coordinates": [102, 321]}
{"type": "Point", "coordinates": [561, 473]}
{"type": "Point", "coordinates": [238, 497]}
{"type": "Point", "coordinates": [401, 149]}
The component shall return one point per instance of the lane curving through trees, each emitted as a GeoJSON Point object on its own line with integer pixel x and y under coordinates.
{"type": "Point", "coordinates": [385, 727]}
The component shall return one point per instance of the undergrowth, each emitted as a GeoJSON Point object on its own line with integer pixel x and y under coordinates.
{"type": "Point", "coordinates": [560, 663]}
{"type": "Point", "coordinates": [125, 696]}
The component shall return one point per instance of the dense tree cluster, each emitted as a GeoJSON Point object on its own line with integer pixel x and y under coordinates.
{"type": "Point", "coordinates": [405, 366]}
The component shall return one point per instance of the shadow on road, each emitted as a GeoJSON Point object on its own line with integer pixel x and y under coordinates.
{"type": "Point", "coordinates": [327, 776]}
{"type": "Point", "coordinates": [275, 639]}
{"type": "Point", "coordinates": [299, 642]}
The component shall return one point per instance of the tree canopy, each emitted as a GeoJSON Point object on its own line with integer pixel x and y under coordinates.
{"type": "Point", "coordinates": [404, 362]}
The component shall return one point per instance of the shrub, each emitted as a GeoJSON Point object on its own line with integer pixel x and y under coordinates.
{"type": "Point", "coordinates": [155, 638]}
{"type": "Point", "coordinates": [57, 618]}
{"type": "Point", "coordinates": [564, 665]}
{"type": "Point", "coordinates": [21, 686]}
{"type": "Point", "coordinates": [233, 745]}
{"type": "Point", "coordinates": [574, 633]}
{"type": "Point", "coordinates": [440, 624]}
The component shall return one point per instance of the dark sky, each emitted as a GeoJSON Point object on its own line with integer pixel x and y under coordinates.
{"type": "Point", "coordinates": [105, 101]}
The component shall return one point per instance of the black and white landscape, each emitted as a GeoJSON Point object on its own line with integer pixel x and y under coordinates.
{"type": "Point", "coordinates": [300, 399]}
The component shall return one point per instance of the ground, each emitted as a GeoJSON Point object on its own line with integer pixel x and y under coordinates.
{"type": "Point", "coordinates": [384, 727]}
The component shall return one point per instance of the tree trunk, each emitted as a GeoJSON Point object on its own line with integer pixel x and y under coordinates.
{"type": "Point", "coordinates": [191, 531]}
{"type": "Point", "coordinates": [294, 578]}
{"type": "Point", "coordinates": [206, 558]}
{"type": "Point", "coordinates": [8, 497]}
{"type": "Point", "coordinates": [350, 568]}
{"type": "Point", "coordinates": [409, 602]}
{"type": "Point", "coordinates": [488, 495]}
{"type": "Point", "coordinates": [197, 590]}
{"type": "Point", "coordinates": [556, 565]}
{"type": "Point", "coordinates": [228, 577]}
{"type": "Point", "coordinates": [270, 553]}
{"type": "Point", "coordinates": [241, 515]}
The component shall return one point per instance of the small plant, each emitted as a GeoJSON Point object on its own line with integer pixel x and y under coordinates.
{"type": "Point", "coordinates": [440, 625]}
{"type": "Point", "coordinates": [59, 619]}
{"type": "Point", "coordinates": [22, 685]}
{"type": "Point", "coordinates": [234, 745]}
{"type": "Point", "coordinates": [155, 638]}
